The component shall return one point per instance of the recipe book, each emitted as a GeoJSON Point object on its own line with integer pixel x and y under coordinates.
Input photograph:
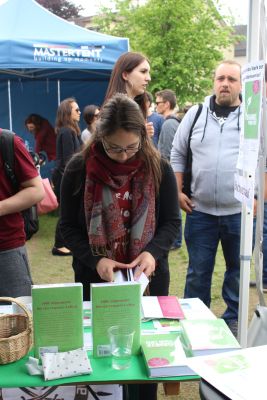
{"type": "Point", "coordinates": [115, 304]}
{"type": "Point", "coordinates": [57, 317]}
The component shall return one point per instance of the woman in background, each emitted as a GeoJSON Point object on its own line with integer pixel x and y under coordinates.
{"type": "Point", "coordinates": [131, 75]}
{"type": "Point", "coordinates": [44, 135]}
{"type": "Point", "coordinates": [68, 142]}
{"type": "Point", "coordinates": [90, 115]}
{"type": "Point", "coordinates": [119, 204]}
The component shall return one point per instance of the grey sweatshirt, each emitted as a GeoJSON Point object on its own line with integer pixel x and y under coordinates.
{"type": "Point", "coordinates": [215, 147]}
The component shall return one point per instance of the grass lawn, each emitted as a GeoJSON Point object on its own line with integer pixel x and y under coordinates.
{"type": "Point", "coordinates": [50, 269]}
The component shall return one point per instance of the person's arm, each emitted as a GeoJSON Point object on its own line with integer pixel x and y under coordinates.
{"type": "Point", "coordinates": [31, 193]}
{"type": "Point", "coordinates": [185, 202]}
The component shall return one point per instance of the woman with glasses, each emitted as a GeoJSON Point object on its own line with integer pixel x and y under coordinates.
{"type": "Point", "coordinates": [119, 205]}
{"type": "Point", "coordinates": [90, 115]}
{"type": "Point", "coordinates": [68, 142]}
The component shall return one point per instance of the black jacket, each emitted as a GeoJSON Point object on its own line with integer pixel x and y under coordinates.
{"type": "Point", "coordinates": [73, 226]}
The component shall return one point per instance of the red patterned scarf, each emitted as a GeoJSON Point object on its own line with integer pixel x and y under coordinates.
{"type": "Point", "coordinates": [106, 231]}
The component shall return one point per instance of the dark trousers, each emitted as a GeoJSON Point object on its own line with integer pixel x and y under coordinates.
{"type": "Point", "coordinates": [59, 241]}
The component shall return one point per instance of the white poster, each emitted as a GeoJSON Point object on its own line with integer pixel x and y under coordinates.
{"type": "Point", "coordinates": [244, 190]}
{"type": "Point", "coordinates": [252, 91]}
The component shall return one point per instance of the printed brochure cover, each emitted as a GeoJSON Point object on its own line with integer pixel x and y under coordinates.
{"type": "Point", "coordinates": [161, 307]}
{"type": "Point", "coordinates": [239, 374]}
{"type": "Point", "coordinates": [208, 336]}
{"type": "Point", "coordinates": [57, 317]}
{"type": "Point", "coordinates": [115, 304]}
{"type": "Point", "coordinates": [164, 355]}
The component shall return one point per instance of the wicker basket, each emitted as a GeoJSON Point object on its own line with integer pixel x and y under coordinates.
{"type": "Point", "coordinates": [15, 333]}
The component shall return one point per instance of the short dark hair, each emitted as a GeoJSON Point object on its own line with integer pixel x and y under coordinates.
{"type": "Point", "coordinates": [168, 95]}
{"type": "Point", "coordinates": [89, 113]}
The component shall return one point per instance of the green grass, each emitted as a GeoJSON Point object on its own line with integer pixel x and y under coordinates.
{"type": "Point", "coordinates": [51, 269]}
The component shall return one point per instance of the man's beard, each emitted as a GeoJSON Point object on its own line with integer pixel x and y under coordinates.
{"type": "Point", "coordinates": [225, 101]}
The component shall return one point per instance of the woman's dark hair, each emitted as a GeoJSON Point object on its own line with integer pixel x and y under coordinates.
{"type": "Point", "coordinates": [122, 112]}
{"type": "Point", "coordinates": [125, 63]}
{"type": "Point", "coordinates": [35, 119]}
{"type": "Point", "coordinates": [89, 113]}
{"type": "Point", "coordinates": [63, 118]}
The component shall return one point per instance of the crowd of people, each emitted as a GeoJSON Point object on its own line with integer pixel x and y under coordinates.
{"type": "Point", "coordinates": [120, 186]}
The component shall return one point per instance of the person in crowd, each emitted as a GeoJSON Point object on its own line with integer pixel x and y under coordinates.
{"type": "Point", "coordinates": [15, 276]}
{"type": "Point", "coordinates": [213, 214]}
{"type": "Point", "coordinates": [166, 104]}
{"type": "Point", "coordinates": [152, 116]}
{"type": "Point", "coordinates": [90, 115]}
{"type": "Point", "coordinates": [131, 75]}
{"type": "Point", "coordinates": [68, 142]}
{"type": "Point", "coordinates": [119, 203]}
{"type": "Point", "coordinates": [44, 135]}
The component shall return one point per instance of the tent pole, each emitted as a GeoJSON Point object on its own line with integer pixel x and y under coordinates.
{"type": "Point", "coordinates": [58, 92]}
{"type": "Point", "coordinates": [255, 19]}
{"type": "Point", "coordinates": [9, 105]}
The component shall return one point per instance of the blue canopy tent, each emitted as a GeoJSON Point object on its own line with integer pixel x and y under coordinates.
{"type": "Point", "coordinates": [44, 59]}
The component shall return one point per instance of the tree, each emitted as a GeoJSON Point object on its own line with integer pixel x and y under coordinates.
{"type": "Point", "coordinates": [182, 39]}
{"type": "Point", "coordinates": [62, 8]}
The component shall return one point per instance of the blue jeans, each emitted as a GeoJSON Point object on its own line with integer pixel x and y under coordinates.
{"type": "Point", "coordinates": [202, 235]}
{"type": "Point", "coordinates": [178, 241]}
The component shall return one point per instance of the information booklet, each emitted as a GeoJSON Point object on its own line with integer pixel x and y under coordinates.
{"type": "Point", "coordinates": [239, 374]}
{"type": "Point", "coordinates": [57, 317]}
{"type": "Point", "coordinates": [194, 308]}
{"type": "Point", "coordinates": [208, 336]}
{"type": "Point", "coordinates": [115, 304]}
{"type": "Point", "coordinates": [164, 355]}
{"type": "Point", "coordinates": [161, 307]}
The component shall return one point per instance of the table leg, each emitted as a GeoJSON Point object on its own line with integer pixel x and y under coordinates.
{"type": "Point", "coordinates": [171, 388]}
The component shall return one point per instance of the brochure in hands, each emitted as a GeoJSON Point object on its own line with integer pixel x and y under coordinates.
{"type": "Point", "coordinates": [164, 355]}
{"type": "Point", "coordinates": [115, 304]}
{"type": "Point", "coordinates": [208, 336]}
{"type": "Point", "coordinates": [57, 317]}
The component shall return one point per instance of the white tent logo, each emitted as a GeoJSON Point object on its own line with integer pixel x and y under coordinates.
{"type": "Point", "coordinates": [44, 52]}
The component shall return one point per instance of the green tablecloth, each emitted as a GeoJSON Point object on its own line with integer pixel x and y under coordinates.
{"type": "Point", "coordinates": [16, 375]}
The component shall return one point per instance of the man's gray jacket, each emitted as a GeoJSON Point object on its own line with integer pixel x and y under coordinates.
{"type": "Point", "coordinates": [215, 147]}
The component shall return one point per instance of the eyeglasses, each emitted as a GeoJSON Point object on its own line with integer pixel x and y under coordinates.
{"type": "Point", "coordinates": [159, 102]}
{"type": "Point", "coordinates": [119, 150]}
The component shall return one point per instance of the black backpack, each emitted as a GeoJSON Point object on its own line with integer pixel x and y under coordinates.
{"type": "Point", "coordinates": [30, 216]}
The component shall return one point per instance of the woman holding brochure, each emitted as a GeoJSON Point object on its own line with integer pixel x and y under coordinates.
{"type": "Point", "coordinates": [119, 199]}
{"type": "Point", "coordinates": [119, 207]}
